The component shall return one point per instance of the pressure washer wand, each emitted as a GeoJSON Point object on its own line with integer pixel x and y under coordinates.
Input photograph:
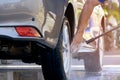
{"type": "Point", "coordinates": [92, 39]}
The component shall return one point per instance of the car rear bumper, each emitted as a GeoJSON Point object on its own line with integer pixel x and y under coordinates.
{"type": "Point", "coordinates": [6, 43]}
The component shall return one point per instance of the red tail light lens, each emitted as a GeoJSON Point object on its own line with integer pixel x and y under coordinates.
{"type": "Point", "coordinates": [27, 31]}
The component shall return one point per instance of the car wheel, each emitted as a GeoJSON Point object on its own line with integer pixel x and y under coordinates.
{"type": "Point", "coordinates": [94, 61]}
{"type": "Point", "coordinates": [56, 64]}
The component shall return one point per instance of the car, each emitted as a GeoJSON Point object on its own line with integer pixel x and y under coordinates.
{"type": "Point", "coordinates": [92, 53]}
{"type": "Point", "coordinates": [38, 31]}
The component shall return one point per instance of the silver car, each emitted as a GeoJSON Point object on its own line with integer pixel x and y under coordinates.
{"type": "Point", "coordinates": [38, 31]}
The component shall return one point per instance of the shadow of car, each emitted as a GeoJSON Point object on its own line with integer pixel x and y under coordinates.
{"type": "Point", "coordinates": [38, 32]}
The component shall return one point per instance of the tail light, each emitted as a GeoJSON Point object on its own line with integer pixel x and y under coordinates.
{"type": "Point", "coordinates": [27, 31]}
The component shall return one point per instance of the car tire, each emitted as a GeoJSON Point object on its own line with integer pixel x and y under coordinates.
{"type": "Point", "coordinates": [56, 63]}
{"type": "Point", "coordinates": [94, 61]}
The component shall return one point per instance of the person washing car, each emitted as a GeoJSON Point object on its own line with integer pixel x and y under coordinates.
{"type": "Point", "coordinates": [83, 21]}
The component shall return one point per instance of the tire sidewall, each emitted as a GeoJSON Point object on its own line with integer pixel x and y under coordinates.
{"type": "Point", "coordinates": [60, 45]}
{"type": "Point", "coordinates": [52, 60]}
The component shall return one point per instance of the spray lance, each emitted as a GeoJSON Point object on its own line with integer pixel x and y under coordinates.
{"type": "Point", "coordinates": [93, 39]}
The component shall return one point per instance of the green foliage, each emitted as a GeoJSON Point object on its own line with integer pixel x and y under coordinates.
{"type": "Point", "coordinates": [112, 9]}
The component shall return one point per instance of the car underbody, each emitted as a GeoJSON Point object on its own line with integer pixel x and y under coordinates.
{"type": "Point", "coordinates": [27, 51]}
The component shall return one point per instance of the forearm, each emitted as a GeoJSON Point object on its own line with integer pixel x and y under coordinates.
{"type": "Point", "coordinates": [84, 17]}
{"type": "Point", "coordinates": [82, 23]}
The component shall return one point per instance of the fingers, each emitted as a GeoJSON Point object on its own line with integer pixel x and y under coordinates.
{"type": "Point", "coordinates": [74, 47]}
{"type": "Point", "coordinates": [75, 43]}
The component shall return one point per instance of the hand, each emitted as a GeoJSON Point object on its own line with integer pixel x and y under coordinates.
{"type": "Point", "coordinates": [75, 43]}
{"type": "Point", "coordinates": [74, 48]}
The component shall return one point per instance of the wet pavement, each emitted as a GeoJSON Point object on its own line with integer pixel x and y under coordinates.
{"type": "Point", "coordinates": [77, 75]}
{"type": "Point", "coordinates": [108, 74]}
{"type": "Point", "coordinates": [110, 70]}
{"type": "Point", "coordinates": [105, 74]}
{"type": "Point", "coordinates": [16, 70]}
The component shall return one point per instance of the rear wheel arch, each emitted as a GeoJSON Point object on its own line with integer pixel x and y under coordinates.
{"type": "Point", "coordinates": [70, 15]}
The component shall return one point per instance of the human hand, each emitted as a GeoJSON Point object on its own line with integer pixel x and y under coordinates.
{"type": "Point", "coordinates": [74, 48]}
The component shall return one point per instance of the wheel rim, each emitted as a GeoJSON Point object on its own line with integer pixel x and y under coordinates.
{"type": "Point", "coordinates": [66, 49]}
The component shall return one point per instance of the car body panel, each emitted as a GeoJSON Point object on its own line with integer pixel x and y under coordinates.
{"type": "Point", "coordinates": [45, 15]}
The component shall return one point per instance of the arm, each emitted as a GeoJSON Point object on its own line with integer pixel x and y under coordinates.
{"type": "Point", "coordinates": [82, 23]}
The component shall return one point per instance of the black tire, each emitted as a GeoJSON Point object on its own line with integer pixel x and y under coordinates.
{"type": "Point", "coordinates": [94, 61]}
{"type": "Point", "coordinates": [52, 62]}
